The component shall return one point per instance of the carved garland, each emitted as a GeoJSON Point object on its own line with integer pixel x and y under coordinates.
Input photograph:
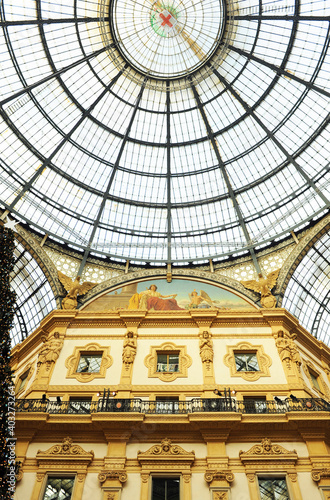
{"type": "Point", "coordinates": [72, 362]}
{"type": "Point", "coordinates": [184, 362]}
{"type": "Point", "coordinates": [264, 361]}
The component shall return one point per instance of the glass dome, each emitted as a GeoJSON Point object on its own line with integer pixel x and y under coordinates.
{"type": "Point", "coordinates": [168, 131]}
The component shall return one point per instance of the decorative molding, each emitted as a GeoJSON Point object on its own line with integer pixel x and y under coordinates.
{"type": "Point", "coordinates": [219, 475]}
{"type": "Point", "coordinates": [72, 361]}
{"type": "Point", "coordinates": [49, 352]}
{"type": "Point", "coordinates": [206, 348]}
{"type": "Point", "coordinates": [120, 475]}
{"type": "Point", "coordinates": [264, 361]}
{"type": "Point", "coordinates": [129, 349]}
{"type": "Point", "coordinates": [318, 474]}
{"type": "Point", "coordinates": [220, 495]}
{"type": "Point", "coordinates": [184, 362]}
{"type": "Point", "coordinates": [266, 449]}
{"type": "Point", "coordinates": [165, 449]}
{"type": "Point", "coordinates": [65, 449]}
{"type": "Point", "coordinates": [287, 349]}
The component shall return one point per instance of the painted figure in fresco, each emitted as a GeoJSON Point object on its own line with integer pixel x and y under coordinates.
{"type": "Point", "coordinates": [151, 299]}
{"type": "Point", "coordinates": [196, 300]}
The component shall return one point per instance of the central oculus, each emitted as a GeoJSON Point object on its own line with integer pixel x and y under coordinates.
{"type": "Point", "coordinates": [167, 38]}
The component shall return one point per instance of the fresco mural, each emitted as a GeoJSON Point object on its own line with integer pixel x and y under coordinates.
{"type": "Point", "coordinates": [158, 295]}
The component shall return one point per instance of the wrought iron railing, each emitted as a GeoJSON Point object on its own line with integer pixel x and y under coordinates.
{"type": "Point", "coordinates": [170, 407]}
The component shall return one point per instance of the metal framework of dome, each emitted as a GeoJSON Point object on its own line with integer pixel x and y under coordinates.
{"type": "Point", "coordinates": [173, 131]}
{"type": "Point", "coordinates": [221, 160]}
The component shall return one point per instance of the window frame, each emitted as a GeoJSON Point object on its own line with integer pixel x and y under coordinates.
{"type": "Point", "coordinates": [264, 361]}
{"type": "Point", "coordinates": [185, 361]}
{"type": "Point", "coordinates": [72, 362]}
{"type": "Point", "coordinates": [59, 476]}
{"type": "Point", "coordinates": [273, 476]}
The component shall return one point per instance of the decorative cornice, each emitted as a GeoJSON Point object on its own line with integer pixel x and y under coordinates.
{"type": "Point", "coordinates": [65, 449]}
{"type": "Point", "coordinates": [267, 451]}
{"type": "Point", "coordinates": [64, 456]}
{"type": "Point", "coordinates": [166, 451]}
{"type": "Point", "coordinates": [166, 448]}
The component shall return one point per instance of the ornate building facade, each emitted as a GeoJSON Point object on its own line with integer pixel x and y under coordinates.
{"type": "Point", "coordinates": [172, 400]}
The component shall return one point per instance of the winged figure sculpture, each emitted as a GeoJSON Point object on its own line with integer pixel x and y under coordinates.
{"type": "Point", "coordinates": [74, 288]}
{"type": "Point", "coordinates": [264, 287]}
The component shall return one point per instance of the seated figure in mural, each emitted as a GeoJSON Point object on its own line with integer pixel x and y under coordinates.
{"type": "Point", "coordinates": [151, 299]}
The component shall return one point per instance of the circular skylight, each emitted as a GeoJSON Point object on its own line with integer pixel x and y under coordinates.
{"type": "Point", "coordinates": [167, 38]}
{"type": "Point", "coordinates": [217, 147]}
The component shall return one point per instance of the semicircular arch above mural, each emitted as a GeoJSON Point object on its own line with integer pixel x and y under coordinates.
{"type": "Point", "coordinates": [159, 295]}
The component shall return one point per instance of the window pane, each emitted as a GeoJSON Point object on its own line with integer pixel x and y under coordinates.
{"type": "Point", "coordinates": [246, 362]}
{"type": "Point", "coordinates": [59, 488]}
{"type": "Point", "coordinates": [89, 363]}
{"type": "Point", "coordinates": [315, 381]}
{"type": "Point", "coordinates": [273, 488]}
{"type": "Point", "coordinates": [165, 488]}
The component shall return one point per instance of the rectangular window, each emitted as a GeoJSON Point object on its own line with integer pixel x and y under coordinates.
{"type": "Point", "coordinates": [22, 381]}
{"type": "Point", "coordinates": [89, 363]}
{"type": "Point", "coordinates": [246, 362]}
{"type": "Point", "coordinates": [165, 488]}
{"type": "Point", "coordinates": [315, 381]}
{"type": "Point", "coordinates": [274, 488]}
{"type": "Point", "coordinates": [59, 488]}
{"type": "Point", "coordinates": [168, 362]}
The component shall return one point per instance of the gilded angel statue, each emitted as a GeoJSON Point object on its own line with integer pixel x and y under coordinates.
{"type": "Point", "coordinates": [264, 287]}
{"type": "Point", "coordinates": [74, 288]}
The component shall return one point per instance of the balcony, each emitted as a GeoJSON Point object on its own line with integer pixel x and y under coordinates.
{"type": "Point", "coordinates": [111, 405]}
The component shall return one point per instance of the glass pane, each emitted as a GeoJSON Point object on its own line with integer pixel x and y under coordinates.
{"type": "Point", "coordinates": [158, 488]}
{"type": "Point", "coordinates": [273, 489]}
{"type": "Point", "coordinates": [246, 362]}
{"type": "Point", "coordinates": [315, 381]}
{"type": "Point", "coordinates": [173, 360]}
{"type": "Point", "coordinates": [89, 363]}
{"type": "Point", "coordinates": [240, 362]}
{"type": "Point", "coordinates": [173, 489]}
{"type": "Point", "coordinates": [252, 362]}
{"type": "Point", "coordinates": [165, 488]}
{"type": "Point", "coordinates": [59, 488]}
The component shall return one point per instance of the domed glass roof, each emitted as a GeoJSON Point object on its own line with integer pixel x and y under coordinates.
{"type": "Point", "coordinates": [167, 131]}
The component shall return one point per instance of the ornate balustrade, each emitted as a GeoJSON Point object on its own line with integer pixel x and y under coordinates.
{"type": "Point", "coordinates": [171, 407]}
